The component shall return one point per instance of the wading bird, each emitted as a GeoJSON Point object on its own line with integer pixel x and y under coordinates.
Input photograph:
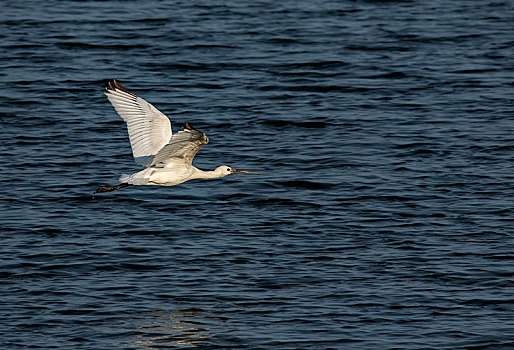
{"type": "Point", "coordinates": [167, 158]}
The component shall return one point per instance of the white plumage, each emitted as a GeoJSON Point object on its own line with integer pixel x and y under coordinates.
{"type": "Point", "coordinates": [167, 158]}
{"type": "Point", "coordinates": [149, 130]}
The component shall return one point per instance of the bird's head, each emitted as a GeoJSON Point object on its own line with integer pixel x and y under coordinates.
{"type": "Point", "coordinates": [226, 170]}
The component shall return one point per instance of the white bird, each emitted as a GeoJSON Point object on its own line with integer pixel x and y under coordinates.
{"type": "Point", "coordinates": [167, 158]}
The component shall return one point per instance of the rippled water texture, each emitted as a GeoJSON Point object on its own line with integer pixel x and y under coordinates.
{"type": "Point", "coordinates": [383, 216]}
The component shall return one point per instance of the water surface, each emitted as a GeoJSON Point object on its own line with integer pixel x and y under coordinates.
{"type": "Point", "coordinates": [382, 218]}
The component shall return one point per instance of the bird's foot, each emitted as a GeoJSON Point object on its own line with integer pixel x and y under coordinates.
{"type": "Point", "coordinates": [110, 188]}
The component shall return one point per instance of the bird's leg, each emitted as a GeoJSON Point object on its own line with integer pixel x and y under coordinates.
{"type": "Point", "coordinates": [110, 188]}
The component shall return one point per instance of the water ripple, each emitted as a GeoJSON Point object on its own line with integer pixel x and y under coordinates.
{"type": "Point", "coordinates": [382, 218]}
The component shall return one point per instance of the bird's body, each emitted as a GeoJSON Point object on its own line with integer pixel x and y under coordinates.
{"type": "Point", "coordinates": [170, 175]}
{"type": "Point", "coordinates": [167, 158]}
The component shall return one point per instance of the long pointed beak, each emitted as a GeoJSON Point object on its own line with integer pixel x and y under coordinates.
{"type": "Point", "coordinates": [234, 171]}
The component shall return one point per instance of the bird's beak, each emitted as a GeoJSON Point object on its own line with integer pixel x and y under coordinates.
{"type": "Point", "coordinates": [234, 171]}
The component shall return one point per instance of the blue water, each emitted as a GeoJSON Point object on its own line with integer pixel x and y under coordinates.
{"type": "Point", "coordinates": [383, 218]}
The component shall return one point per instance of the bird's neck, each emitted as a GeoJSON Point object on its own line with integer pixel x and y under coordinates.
{"type": "Point", "coordinates": [200, 174]}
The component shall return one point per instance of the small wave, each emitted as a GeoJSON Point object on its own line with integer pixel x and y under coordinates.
{"type": "Point", "coordinates": [305, 184]}
{"type": "Point", "coordinates": [314, 64]}
{"type": "Point", "coordinates": [315, 88]}
{"type": "Point", "coordinates": [392, 75]}
{"type": "Point", "coordinates": [306, 124]}
{"type": "Point", "coordinates": [283, 202]}
{"type": "Point", "coordinates": [85, 46]}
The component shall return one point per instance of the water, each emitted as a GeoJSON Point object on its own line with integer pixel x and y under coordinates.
{"type": "Point", "coordinates": [382, 218]}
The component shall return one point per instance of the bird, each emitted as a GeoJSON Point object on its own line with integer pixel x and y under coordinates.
{"type": "Point", "coordinates": [166, 157]}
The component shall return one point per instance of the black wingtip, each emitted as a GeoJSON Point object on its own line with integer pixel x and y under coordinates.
{"type": "Point", "coordinates": [188, 127]}
{"type": "Point", "coordinates": [114, 85]}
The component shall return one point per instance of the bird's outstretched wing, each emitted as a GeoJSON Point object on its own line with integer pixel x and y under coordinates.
{"type": "Point", "coordinates": [148, 128]}
{"type": "Point", "coordinates": [183, 145]}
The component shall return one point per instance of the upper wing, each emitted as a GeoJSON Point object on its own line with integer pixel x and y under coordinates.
{"type": "Point", "coordinates": [149, 129]}
{"type": "Point", "coordinates": [184, 144]}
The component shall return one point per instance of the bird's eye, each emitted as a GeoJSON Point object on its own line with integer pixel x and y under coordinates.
{"type": "Point", "coordinates": [228, 169]}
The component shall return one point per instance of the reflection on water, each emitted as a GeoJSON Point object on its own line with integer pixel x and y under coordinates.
{"type": "Point", "coordinates": [174, 329]}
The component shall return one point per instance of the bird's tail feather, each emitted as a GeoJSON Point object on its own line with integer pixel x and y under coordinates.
{"type": "Point", "coordinates": [132, 180]}
{"type": "Point", "coordinates": [125, 178]}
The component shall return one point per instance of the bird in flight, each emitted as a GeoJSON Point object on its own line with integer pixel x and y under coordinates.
{"type": "Point", "coordinates": [167, 158]}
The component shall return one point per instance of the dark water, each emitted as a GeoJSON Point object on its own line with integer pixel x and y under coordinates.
{"type": "Point", "coordinates": [383, 218]}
